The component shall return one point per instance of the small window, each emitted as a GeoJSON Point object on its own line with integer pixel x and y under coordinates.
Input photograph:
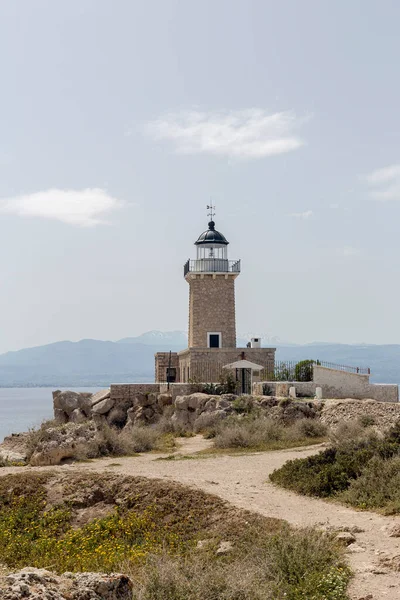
{"type": "Point", "coordinates": [214, 340]}
{"type": "Point", "coordinates": [171, 375]}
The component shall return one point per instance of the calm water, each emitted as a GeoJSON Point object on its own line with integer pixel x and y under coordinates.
{"type": "Point", "coordinates": [21, 408]}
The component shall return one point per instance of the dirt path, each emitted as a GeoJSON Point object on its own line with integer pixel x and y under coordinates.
{"type": "Point", "coordinates": [242, 480]}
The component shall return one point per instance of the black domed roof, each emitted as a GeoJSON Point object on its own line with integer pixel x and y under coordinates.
{"type": "Point", "coordinates": [211, 236]}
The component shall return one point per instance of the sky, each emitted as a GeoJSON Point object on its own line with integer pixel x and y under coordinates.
{"type": "Point", "coordinates": [121, 120]}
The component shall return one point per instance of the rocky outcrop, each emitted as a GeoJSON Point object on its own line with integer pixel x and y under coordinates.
{"type": "Point", "coordinates": [382, 415]}
{"type": "Point", "coordinates": [189, 408]}
{"type": "Point", "coordinates": [13, 448]}
{"type": "Point", "coordinates": [79, 406]}
{"type": "Point", "coordinates": [39, 584]}
{"type": "Point", "coordinates": [60, 443]}
{"type": "Point", "coordinates": [197, 409]}
{"type": "Point", "coordinates": [101, 408]}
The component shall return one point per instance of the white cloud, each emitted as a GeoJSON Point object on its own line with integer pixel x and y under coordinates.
{"type": "Point", "coordinates": [349, 251]}
{"type": "Point", "coordinates": [250, 134]}
{"type": "Point", "coordinates": [302, 215]}
{"type": "Point", "coordinates": [384, 183]}
{"type": "Point", "coordinates": [384, 175]}
{"type": "Point", "coordinates": [75, 207]}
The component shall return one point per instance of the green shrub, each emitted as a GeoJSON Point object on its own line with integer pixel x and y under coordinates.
{"type": "Point", "coordinates": [267, 390]}
{"type": "Point", "coordinates": [364, 466]}
{"type": "Point", "coordinates": [366, 420]}
{"type": "Point", "coordinates": [303, 371]}
{"type": "Point", "coordinates": [243, 405]}
{"type": "Point", "coordinates": [378, 487]}
{"type": "Point", "coordinates": [227, 385]}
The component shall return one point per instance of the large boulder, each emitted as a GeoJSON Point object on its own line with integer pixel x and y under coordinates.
{"type": "Point", "coordinates": [67, 401]}
{"type": "Point", "coordinates": [99, 396]}
{"type": "Point", "coordinates": [60, 443]}
{"type": "Point", "coordinates": [77, 416]}
{"type": "Point", "coordinates": [60, 416]}
{"type": "Point", "coordinates": [189, 408]}
{"type": "Point", "coordinates": [14, 448]}
{"type": "Point", "coordinates": [39, 584]}
{"type": "Point", "coordinates": [164, 400]}
{"type": "Point", "coordinates": [145, 400]}
{"type": "Point", "coordinates": [103, 407]}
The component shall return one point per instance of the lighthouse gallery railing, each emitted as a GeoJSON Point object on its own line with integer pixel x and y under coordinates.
{"type": "Point", "coordinates": [211, 265]}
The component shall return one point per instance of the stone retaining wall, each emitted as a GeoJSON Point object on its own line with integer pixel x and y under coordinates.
{"type": "Point", "coordinates": [334, 384]}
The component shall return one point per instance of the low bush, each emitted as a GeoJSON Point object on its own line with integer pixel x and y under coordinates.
{"type": "Point", "coordinates": [366, 420]}
{"type": "Point", "coordinates": [37, 436]}
{"type": "Point", "coordinates": [208, 424]}
{"type": "Point", "coordinates": [138, 438]}
{"type": "Point", "coordinates": [244, 405]}
{"type": "Point", "coordinates": [310, 428]}
{"type": "Point", "coordinates": [363, 471]}
{"type": "Point", "coordinates": [286, 566]}
{"type": "Point", "coordinates": [378, 486]}
{"type": "Point", "coordinates": [263, 433]}
{"type": "Point", "coordinates": [226, 385]}
{"type": "Point", "coordinates": [103, 440]}
{"type": "Point", "coordinates": [304, 370]}
{"type": "Point", "coordinates": [4, 462]}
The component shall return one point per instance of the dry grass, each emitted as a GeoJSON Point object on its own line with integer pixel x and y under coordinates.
{"type": "Point", "coordinates": [264, 434]}
{"type": "Point", "coordinates": [150, 533]}
{"type": "Point", "coordinates": [37, 436]}
{"type": "Point", "coordinates": [103, 441]}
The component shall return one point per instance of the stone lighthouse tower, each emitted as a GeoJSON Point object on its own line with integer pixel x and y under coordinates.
{"type": "Point", "coordinates": [211, 278]}
{"type": "Point", "coordinates": [212, 321]}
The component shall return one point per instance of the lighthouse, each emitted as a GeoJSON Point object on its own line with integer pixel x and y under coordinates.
{"type": "Point", "coordinates": [211, 278]}
{"type": "Point", "coordinates": [212, 318]}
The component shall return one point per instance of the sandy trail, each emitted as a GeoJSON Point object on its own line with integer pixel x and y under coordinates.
{"type": "Point", "coordinates": [242, 480]}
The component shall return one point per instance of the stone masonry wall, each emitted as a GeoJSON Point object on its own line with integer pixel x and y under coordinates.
{"type": "Point", "coordinates": [334, 384]}
{"type": "Point", "coordinates": [206, 364]}
{"type": "Point", "coordinates": [341, 384]}
{"type": "Point", "coordinates": [212, 309]}
{"type": "Point", "coordinates": [125, 391]}
{"type": "Point", "coordinates": [179, 389]}
{"type": "Point", "coordinates": [162, 360]}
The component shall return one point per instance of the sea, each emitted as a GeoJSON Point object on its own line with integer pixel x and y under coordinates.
{"type": "Point", "coordinates": [23, 408]}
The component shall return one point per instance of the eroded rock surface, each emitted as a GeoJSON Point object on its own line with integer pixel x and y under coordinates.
{"type": "Point", "coordinates": [382, 415]}
{"type": "Point", "coordinates": [39, 584]}
{"type": "Point", "coordinates": [63, 442]}
{"type": "Point", "coordinates": [13, 448]}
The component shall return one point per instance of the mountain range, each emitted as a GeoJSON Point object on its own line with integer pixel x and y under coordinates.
{"type": "Point", "coordinates": [131, 359]}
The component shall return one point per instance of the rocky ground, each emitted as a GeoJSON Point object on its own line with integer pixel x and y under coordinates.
{"type": "Point", "coordinates": [373, 541]}
{"type": "Point", "coordinates": [188, 413]}
{"type": "Point", "coordinates": [242, 480]}
{"type": "Point", "coordinates": [382, 415]}
{"type": "Point", "coordinates": [39, 584]}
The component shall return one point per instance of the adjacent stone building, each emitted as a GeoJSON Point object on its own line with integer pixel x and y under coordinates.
{"type": "Point", "coordinates": [212, 320]}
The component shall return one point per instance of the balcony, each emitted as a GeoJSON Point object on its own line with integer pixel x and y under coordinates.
{"type": "Point", "coordinates": [211, 265]}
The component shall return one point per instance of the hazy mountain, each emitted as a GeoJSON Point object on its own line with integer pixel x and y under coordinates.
{"type": "Point", "coordinates": [96, 362]}
{"type": "Point", "coordinates": [172, 339]}
{"type": "Point", "coordinates": [88, 362]}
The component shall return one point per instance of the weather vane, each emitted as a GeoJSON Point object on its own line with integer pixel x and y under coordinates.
{"type": "Point", "coordinates": [211, 212]}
